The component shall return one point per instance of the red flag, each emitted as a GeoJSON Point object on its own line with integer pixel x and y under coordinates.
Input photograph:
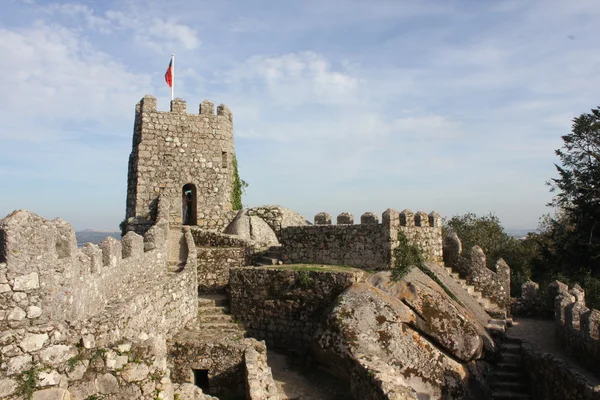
{"type": "Point", "coordinates": [169, 74]}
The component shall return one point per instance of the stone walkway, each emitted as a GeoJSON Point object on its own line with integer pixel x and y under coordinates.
{"type": "Point", "coordinates": [540, 335]}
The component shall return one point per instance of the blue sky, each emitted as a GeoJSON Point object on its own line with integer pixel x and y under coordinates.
{"type": "Point", "coordinates": [339, 105]}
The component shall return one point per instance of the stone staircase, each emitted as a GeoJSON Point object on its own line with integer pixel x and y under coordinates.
{"type": "Point", "coordinates": [508, 381]}
{"type": "Point", "coordinates": [499, 320]}
{"type": "Point", "coordinates": [271, 257]}
{"type": "Point", "coordinates": [214, 318]}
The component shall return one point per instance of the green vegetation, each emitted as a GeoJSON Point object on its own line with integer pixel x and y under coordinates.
{"type": "Point", "coordinates": [239, 187]}
{"type": "Point", "coordinates": [305, 279]}
{"type": "Point", "coordinates": [406, 256]}
{"type": "Point", "coordinates": [27, 383]}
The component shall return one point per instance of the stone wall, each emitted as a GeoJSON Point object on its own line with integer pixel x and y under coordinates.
{"type": "Point", "coordinates": [259, 379]}
{"type": "Point", "coordinates": [551, 379]}
{"type": "Point", "coordinates": [217, 253]}
{"type": "Point", "coordinates": [277, 217]}
{"type": "Point", "coordinates": [369, 245]}
{"type": "Point", "coordinates": [577, 327]}
{"type": "Point", "coordinates": [283, 306]}
{"type": "Point", "coordinates": [494, 285]}
{"type": "Point", "coordinates": [172, 149]}
{"type": "Point", "coordinates": [56, 299]}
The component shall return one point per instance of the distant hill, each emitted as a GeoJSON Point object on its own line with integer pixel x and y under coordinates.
{"type": "Point", "coordinates": [94, 237]}
{"type": "Point", "coordinates": [519, 233]}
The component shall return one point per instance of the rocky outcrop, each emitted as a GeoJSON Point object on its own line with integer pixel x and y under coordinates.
{"type": "Point", "coordinates": [368, 326]}
{"type": "Point", "coordinates": [252, 228]}
{"type": "Point", "coordinates": [442, 319]}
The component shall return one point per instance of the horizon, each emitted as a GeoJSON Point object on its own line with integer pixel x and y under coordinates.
{"type": "Point", "coordinates": [338, 106]}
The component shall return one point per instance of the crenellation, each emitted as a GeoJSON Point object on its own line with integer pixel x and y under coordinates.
{"type": "Point", "coordinates": [95, 257]}
{"type": "Point", "coordinates": [323, 218]}
{"type": "Point", "coordinates": [435, 220]}
{"type": "Point", "coordinates": [345, 219]}
{"type": "Point", "coordinates": [590, 324]}
{"type": "Point", "coordinates": [207, 107]}
{"type": "Point", "coordinates": [112, 252]}
{"type": "Point", "coordinates": [369, 218]}
{"type": "Point", "coordinates": [147, 104]}
{"type": "Point", "coordinates": [178, 106]}
{"type": "Point", "coordinates": [390, 219]}
{"type": "Point", "coordinates": [421, 219]}
{"type": "Point", "coordinates": [223, 110]}
{"type": "Point", "coordinates": [407, 218]}
{"type": "Point", "coordinates": [132, 245]}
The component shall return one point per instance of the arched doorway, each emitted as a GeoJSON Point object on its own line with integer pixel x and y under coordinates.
{"type": "Point", "coordinates": [188, 205]}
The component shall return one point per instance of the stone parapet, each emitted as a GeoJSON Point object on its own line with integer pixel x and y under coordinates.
{"type": "Point", "coordinates": [368, 245]}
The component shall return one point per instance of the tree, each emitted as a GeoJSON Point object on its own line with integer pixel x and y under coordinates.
{"type": "Point", "coordinates": [578, 196]}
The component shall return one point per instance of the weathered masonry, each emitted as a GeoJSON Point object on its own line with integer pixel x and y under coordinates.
{"type": "Point", "coordinates": [187, 158]}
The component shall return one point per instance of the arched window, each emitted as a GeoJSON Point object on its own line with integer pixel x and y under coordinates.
{"type": "Point", "coordinates": [188, 205]}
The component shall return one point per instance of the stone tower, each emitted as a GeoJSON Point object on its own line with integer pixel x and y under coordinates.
{"type": "Point", "coordinates": [186, 157]}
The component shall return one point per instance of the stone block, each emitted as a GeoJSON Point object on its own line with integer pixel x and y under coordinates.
{"type": "Point", "coordinates": [178, 106]}
{"type": "Point", "coordinates": [52, 394]}
{"type": "Point", "coordinates": [435, 220]}
{"type": "Point", "coordinates": [27, 282]}
{"type": "Point", "coordinates": [33, 342]}
{"type": "Point", "coordinates": [148, 104]}
{"type": "Point", "coordinates": [111, 252]}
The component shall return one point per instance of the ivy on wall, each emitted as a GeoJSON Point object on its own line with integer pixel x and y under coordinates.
{"type": "Point", "coordinates": [239, 186]}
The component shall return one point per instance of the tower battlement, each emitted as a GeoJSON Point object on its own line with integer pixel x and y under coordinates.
{"type": "Point", "coordinates": [188, 158]}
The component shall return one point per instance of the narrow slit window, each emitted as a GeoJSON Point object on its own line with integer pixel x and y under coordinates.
{"type": "Point", "coordinates": [223, 160]}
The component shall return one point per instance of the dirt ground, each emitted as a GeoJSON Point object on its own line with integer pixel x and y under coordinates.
{"type": "Point", "coordinates": [305, 383]}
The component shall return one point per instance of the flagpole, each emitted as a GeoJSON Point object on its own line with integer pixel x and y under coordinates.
{"type": "Point", "coordinates": [172, 77]}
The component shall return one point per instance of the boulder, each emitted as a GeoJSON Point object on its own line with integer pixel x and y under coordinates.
{"type": "Point", "coordinates": [366, 325]}
{"type": "Point", "coordinates": [252, 228]}
{"type": "Point", "coordinates": [441, 318]}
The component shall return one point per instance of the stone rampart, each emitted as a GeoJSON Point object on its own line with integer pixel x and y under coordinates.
{"type": "Point", "coordinates": [368, 245]}
{"type": "Point", "coordinates": [283, 306]}
{"type": "Point", "coordinates": [577, 327]}
{"type": "Point", "coordinates": [56, 299]}
{"type": "Point", "coordinates": [494, 285]}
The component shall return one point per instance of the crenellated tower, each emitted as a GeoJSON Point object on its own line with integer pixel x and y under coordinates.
{"type": "Point", "coordinates": [186, 157]}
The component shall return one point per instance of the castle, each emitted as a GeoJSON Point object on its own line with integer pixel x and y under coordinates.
{"type": "Point", "coordinates": [179, 309]}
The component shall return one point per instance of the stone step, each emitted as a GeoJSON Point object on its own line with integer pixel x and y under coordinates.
{"type": "Point", "coordinates": [470, 289]}
{"type": "Point", "coordinates": [506, 395]}
{"type": "Point", "coordinates": [510, 348]}
{"type": "Point", "coordinates": [509, 367]}
{"type": "Point", "coordinates": [215, 318]}
{"type": "Point", "coordinates": [512, 357]}
{"type": "Point", "coordinates": [485, 303]}
{"type": "Point", "coordinates": [495, 311]}
{"type": "Point", "coordinates": [212, 310]}
{"type": "Point", "coordinates": [455, 275]}
{"type": "Point", "coordinates": [224, 326]}
{"type": "Point", "coordinates": [513, 387]}
{"type": "Point", "coordinates": [205, 300]}
{"type": "Point", "coordinates": [508, 376]}
{"type": "Point", "coordinates": [496, 327]}
{"type": "Point", "coordinates": [448, 269]}
{"type": "Point", "coordinates": [477, 295]}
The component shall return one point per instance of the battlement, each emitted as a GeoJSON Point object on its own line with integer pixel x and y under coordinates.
{"type": "Point", "coordinates": [368, 244]}
{"type": "Point", "coordinates": [577, 326]}
{"type": "Point", "coordinates": [405, 218]}
{"type": "Point", "coordinates": [179, 106]}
